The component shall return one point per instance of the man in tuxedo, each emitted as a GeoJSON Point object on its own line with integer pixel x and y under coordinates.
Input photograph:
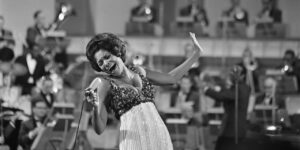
{"type": "Point", "coordinates": [38, 31]}
{"type": "Point", "coordinates": [291, 65]}
{"type": "Point", "coordinates": [32, 127]}
{"type": "Point", "coordinates": [270, 11]}
{"type": "Point", "coordinates": [236, 13]}
{"type": "Point", "coordinates": [35, 65]}
{"type": "Point", "coordinates": [187, 99]}
{"type": "Point", "coordinates": [227, 95]}
{"type": "Point", "coordinates": [144, 9]}
{"type": "Point", "coordinates": [45, 89]}
{"type": "Point", "coordinates": [6, 36]}
{"type": "Point", "coordinates": [195, 10]}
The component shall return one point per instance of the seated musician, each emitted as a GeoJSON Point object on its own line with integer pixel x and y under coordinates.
{"type": "Point", "coordinates": [11, 126]}
{"type": "Point", "coordinates": [144, 12]}
{"type": "Point", "coordinates": [38, 31]}
{"type": "Point", "coordinates": [268, 95]}
{"type": "Point", "coordinates": [236, 13]}
{"type": "Point", "coordinates": [32, 127]}
{"type": "Point", "coordinates": [44, 88]}
{"type": "Point", "coordinates": [6, 36]}
{"type": "Point", "coordinates": [143, 20]}
{"type": "Point", "coordinates": [8, 96]}
{"type": "Point", "coordinates": [196, 11]}
{"type": "Point", "coordinates": [187, 100]}
{"type": "Point", "coordinates": [269, 21]}
{"type": "Point", "coordinates": [291, 65]}
{"type": "Point", "coordinates": [269, 12]}
{"type": "Point", "coordinates": [233, 21]}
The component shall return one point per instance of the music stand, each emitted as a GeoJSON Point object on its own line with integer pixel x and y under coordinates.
{"type": "Point", "coordinates": [215, 116]}
{"type": "Point", "coordinates": [63, 108]}
{"type": "Point", "coordinates": [178, 130]}
{"type": "Point", "coordinates": [57, 136]}
{"type": "Point", "coordinates": [285, 84]}
{"type": "Point", "coordinates": [264, 113]}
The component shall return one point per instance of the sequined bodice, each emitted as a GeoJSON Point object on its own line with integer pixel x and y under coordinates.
{"type": "Point", "coordinates": [121, 98]}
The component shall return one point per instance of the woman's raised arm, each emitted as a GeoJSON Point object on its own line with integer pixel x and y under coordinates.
{"type": "Point", "coordinates": [176, 74]}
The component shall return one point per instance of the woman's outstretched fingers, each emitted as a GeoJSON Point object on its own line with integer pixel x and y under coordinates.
{"type": "Point", "coordinates": [193, 36]}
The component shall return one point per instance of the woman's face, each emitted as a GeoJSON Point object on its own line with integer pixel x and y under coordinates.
{"type": "Point", "coordinates": [109, 63]}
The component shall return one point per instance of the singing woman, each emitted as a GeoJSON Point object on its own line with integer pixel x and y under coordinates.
{"type": "Point", "coordinates": [129, 92]}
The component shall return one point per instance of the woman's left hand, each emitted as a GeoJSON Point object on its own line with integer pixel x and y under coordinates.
{"type": "Point", "coordinates": [196, 43]}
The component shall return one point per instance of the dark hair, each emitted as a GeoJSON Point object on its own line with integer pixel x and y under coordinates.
{"type": "Point", "coordinates": [36, 14]}
{"type": "Point", "coordinates": [37, 99]}
{"type": "Point", "coordinates": [290, 52]}
{"type": "Point", "coordinates": [108, 42]}
{"type": "Point", "coordinates": [6, 54]}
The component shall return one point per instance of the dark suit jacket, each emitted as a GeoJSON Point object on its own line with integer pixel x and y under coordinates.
{"type": "Point", "coordinates": [244, 19]}
{"type": "Point", "coordinates": [38, 73]}
{"type": "Point", "coordinates": [32, 33]}
{"type": "Point", "coordinates": [49, 104]}
{"type": "Point", "coordinates": [192, 96]}
{"type": "Point", "coordinates": [135, 11]}
{"type": "Point", "coordinates": [24, 139]}
{"type": "Point", "coordinates": [186, 11]}
{"type": "Point", "coordinates": [280, 101]}
{"type": "Point", "coordinates": [275, 14]}
{"type": "Point", "coordinates": [227, 96]}
{"type": "Point", "coordinates": [11, 133]}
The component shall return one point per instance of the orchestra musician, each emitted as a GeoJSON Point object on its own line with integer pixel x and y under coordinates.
{"type": "Point", "coordinates": [143, 12]}
{"type": "Point", "coordinates": [39, 30]}
{"type": "Point", "coordinates": [11, 115]}
{"type": "Point", "coordinates": [227, 95]}
{"type": "Point", "coordinates": [249, 67]}
{"type": "Point", "coordinates": [6, 36]}
{"type": "Point", "coordinates": [35, 125]}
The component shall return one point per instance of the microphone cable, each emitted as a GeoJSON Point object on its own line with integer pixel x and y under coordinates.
{"type": "Point", "coordinates": [74, 145]}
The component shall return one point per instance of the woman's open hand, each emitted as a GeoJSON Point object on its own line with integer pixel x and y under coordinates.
{"type": "Point", "coordinates": [196, 43]}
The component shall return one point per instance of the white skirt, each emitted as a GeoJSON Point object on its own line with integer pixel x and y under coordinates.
{"type": "Point", "coordinates": [143, 129]}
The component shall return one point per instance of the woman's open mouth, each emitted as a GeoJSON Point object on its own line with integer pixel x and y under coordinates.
{"type": "Point", "coordinates": [112, 68]}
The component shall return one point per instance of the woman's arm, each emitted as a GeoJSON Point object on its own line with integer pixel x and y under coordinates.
{"type": "Point", "coordinates": [174, 75]}
{"type": "Point", "coordinates": [96, 94]}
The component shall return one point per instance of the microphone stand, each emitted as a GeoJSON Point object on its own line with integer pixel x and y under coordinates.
{"type": "Point", "coordinates": [236, 111]}
{"type": "Point", "coordinates": [237, 77]}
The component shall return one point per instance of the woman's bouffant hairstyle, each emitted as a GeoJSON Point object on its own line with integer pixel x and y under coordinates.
{"type": "Point", "coordinates": [108, 42]}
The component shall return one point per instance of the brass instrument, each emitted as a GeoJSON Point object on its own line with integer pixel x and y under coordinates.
{"type": "Point", "coordinates": [65, 10]}
{"type": "Point", "coordinates": [287, 68]}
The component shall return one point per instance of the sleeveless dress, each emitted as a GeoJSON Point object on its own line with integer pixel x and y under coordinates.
{"type": "Point", "coordinates": [141, 126]}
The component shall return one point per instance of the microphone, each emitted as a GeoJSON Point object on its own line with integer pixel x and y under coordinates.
{"type": "Point", "coordinates": [93, 86]}
{"type": "Point", "coordinates": [236, 72]}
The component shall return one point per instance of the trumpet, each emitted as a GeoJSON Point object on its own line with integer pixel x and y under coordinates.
{"type": "Point", "coordinates": [65, 10]}
{"type": "Point", "coordinates": [250, 65]}
{"type": "Point", "coordinates": [287, 68]}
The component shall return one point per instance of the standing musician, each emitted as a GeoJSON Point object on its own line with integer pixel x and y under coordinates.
{"type": "Point", "coordinates": [249, 67]}
{"type": "Point", "coordinates": [227, 95]}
